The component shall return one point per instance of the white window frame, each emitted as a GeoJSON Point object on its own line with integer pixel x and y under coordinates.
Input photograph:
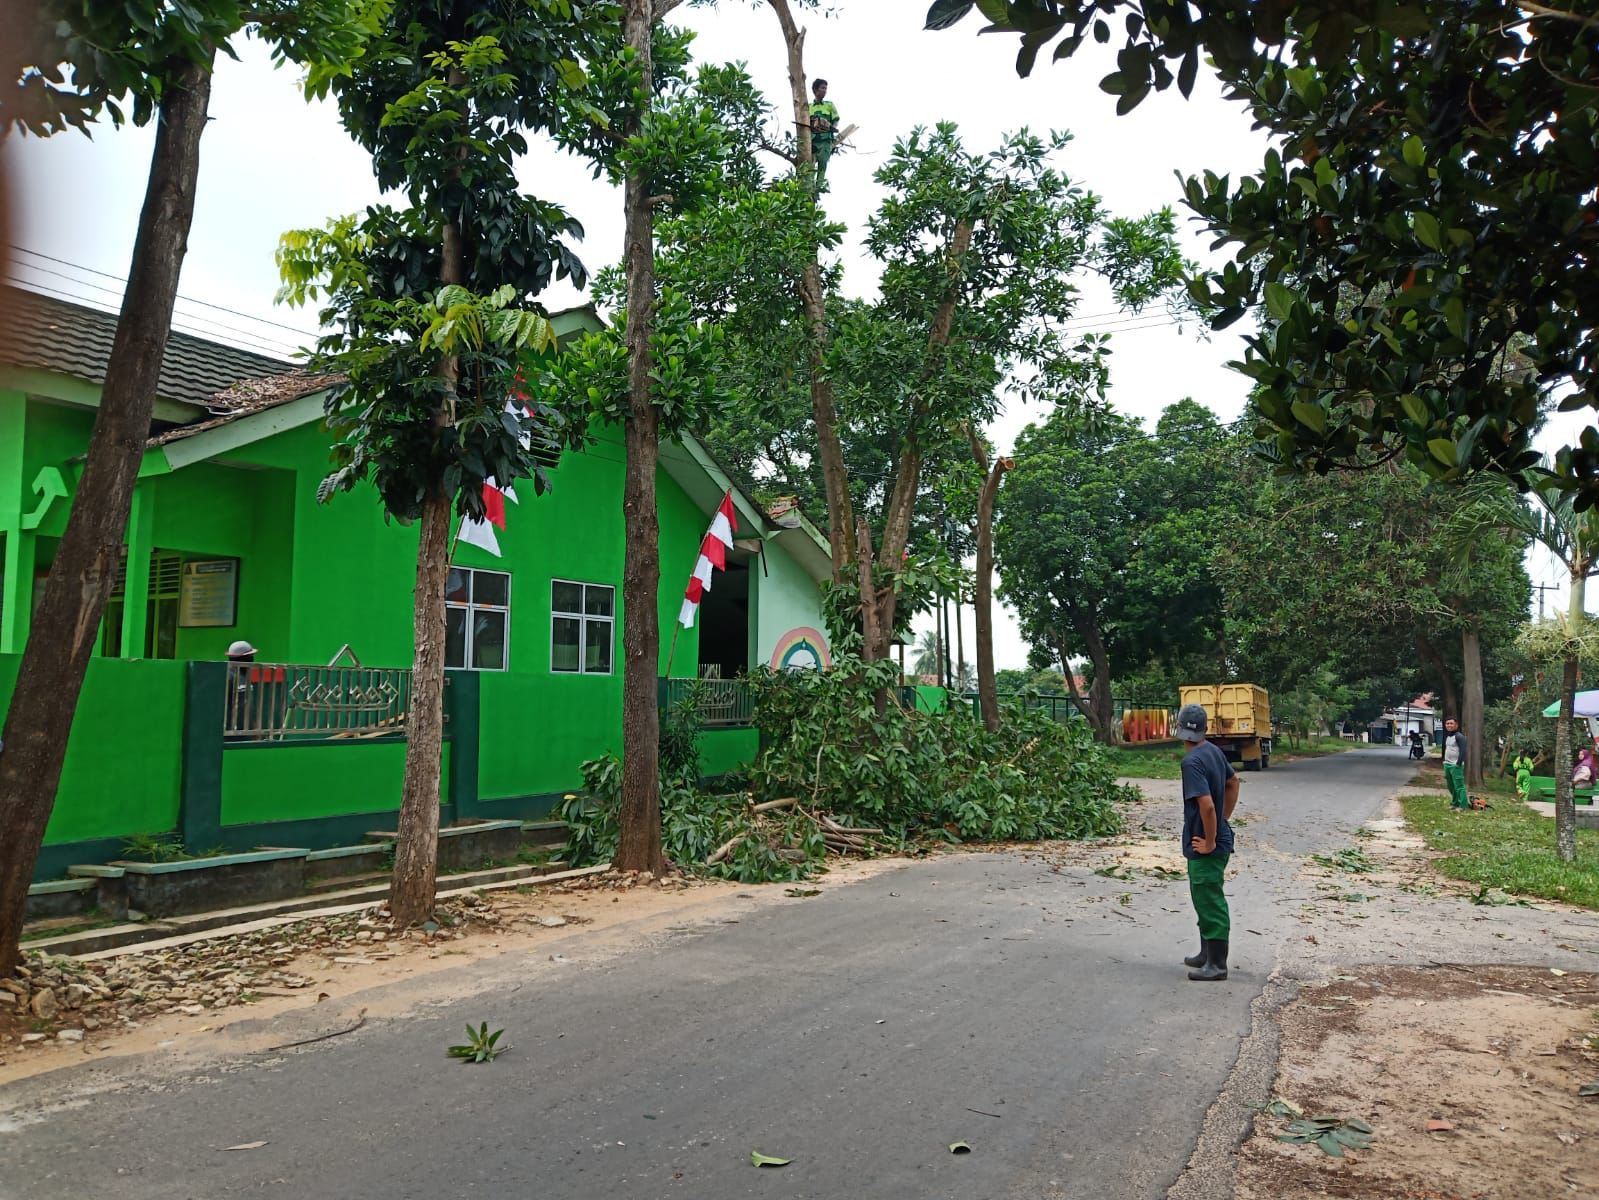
{"type": "Point", "coordinates": [584, 620]}
{"type": "Point", "coordinates": [470, 607]}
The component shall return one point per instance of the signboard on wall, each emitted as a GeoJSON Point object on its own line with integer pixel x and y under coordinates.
{"type": "Point", "coordinates": [210, 595]}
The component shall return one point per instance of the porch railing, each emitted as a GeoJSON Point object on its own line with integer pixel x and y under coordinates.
{"type": "Point", "coordinates": [723, 703]}
{"type": "Point", "coordinates": [288, 701]}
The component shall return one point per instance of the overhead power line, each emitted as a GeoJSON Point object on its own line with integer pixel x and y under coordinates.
{"type": "Point", "coordinates": [276, 345]}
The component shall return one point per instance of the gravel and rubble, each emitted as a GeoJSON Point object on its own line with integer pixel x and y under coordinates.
{"type": "Point", "coordinates": [64, 999]}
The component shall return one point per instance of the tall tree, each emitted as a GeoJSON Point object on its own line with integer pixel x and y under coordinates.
{"type": "Point", "coordinates": [813, 295]}
{"type": "Point", "coordinates": [1433, 160]}
{"type": "Point", "coordinates": [65, 68]}
{"type": "Point", "coordinates": [1554, 522]}
{"type": "Point", "coordinates": [653, 131]}
{"type": "Point", "coordinates": [977, 252]}
{"type": "Point", "coordinates": [1063, 537]}
{"type": "Point", "coordinates": [1106, 533]}
{"type": "Point", "coordinates": [983, 591]}
{"type": "Point", "coordinates": [427, 307]}
{"type": "Point", "coordinates": [1363, 571]}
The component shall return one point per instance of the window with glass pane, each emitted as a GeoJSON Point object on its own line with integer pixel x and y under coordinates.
{"type": "Point", "coordinates": [477, 620]}
{"type": "Point", "coordinates": [582, 627]}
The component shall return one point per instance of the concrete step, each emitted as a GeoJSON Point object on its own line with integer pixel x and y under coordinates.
{"type": "Point", "coordinates": [343, 883]}
{"type": "Point", "coordinates": [283, 911]}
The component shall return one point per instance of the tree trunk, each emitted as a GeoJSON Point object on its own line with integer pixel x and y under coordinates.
{"type": "Point", "coordinates": [870, 634]}
{"type": "Point", "coordinates": [1446, 680]}
{"type": "Point", "coordinates": [1072, 690]}
{"type": "Point", "coordinates": [1472, 714]}
{"type": "Point", "coordinates": [639, 845]}
{"type": "Point", "coordinates": [949, 656]}
{"type": "Point", "coordinates": [1565, 802]}
{"type": "Point", "coordinates": [416, 852]}
{"type": "Point", "coordinates": [64, 629]}
{"type": "Point", "coordinates": [813, 301]}
{"type": "Point", "coordinates": [960, 642]}
{"type": "Point", "coordinates": [983, 589]}
{"type": "Point", "coordinates": [1099, 698]}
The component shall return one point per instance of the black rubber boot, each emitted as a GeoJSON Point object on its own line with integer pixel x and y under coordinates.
{"type": "Point", "coordinates": [1215, 968]}
{"type": "Point", "coordinates": [1200, 959]}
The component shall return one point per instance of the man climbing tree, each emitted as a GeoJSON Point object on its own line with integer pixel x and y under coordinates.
{"type": "Point", "coordinates": [824, 126]}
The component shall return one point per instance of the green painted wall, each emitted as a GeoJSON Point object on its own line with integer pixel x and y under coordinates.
{"type": "Point", "coordinates": [316, 576]}
{"type": "Point", "coordinates": [55, 434]}
{"type": "Point", "coordinates": [724, 750]}
{"type": "Point", "coordinates": [125, 753]}
{"type": "Point", "coordinates": [788, 600]}
{"type": "Point", "coordinates": [261, 785]}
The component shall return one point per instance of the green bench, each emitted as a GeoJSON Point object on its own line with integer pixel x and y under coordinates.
{"type": "Point", "coordinates": [1542, 787]}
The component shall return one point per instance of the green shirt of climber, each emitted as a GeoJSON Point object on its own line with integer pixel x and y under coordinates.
{"type": "Point", "coordinates": [824, 124]}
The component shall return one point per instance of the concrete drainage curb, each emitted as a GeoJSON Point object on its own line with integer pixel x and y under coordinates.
{"type": "Point", "coordinates": [1230, 1118]}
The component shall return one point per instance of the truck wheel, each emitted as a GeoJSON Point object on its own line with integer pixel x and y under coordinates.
{"type": "Point", "coordinates": [1265, 762]}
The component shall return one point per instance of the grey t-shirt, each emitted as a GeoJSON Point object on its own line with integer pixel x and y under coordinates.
{"type": "Point", "coordinates": [1455, 749]}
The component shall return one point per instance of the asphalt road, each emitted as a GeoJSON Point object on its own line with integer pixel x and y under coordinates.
{"type": "Point", "coordinates": [853, 1033]}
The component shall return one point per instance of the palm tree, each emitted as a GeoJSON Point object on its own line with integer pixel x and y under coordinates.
{"type": "Point", "coordinates": [929, 650]}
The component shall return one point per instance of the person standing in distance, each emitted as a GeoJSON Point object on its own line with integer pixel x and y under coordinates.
{"type": "Point", "coordinates": [1210, 793]}
{"type": "Point", "coordinates": [1455, 764]}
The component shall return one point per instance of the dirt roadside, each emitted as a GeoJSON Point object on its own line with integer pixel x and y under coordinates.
{"type": "Point", "coordinates": [224, 994]}
{"type": "Point", "coordinates": [1469, 1080]}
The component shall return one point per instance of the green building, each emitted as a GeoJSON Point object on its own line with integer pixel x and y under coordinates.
{"type": "Point", "coordinates": [227, 541]}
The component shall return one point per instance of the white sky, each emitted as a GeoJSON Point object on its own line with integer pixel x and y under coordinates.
{"type": "Point", "coordinates": [271, 162]}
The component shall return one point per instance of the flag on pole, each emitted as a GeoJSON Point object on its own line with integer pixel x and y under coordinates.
{"type": "Point", "coordinates": [479, 532]}
{"type": "Point", "coordinates": [713, 556]}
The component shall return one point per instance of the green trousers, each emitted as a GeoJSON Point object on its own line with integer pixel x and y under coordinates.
{"type": "Point", "coordinates": [1455, 777]}
{"type": "Point", "coordinates": [1205, 877]}
{"type": "Point", "coordinates": [822, 149]}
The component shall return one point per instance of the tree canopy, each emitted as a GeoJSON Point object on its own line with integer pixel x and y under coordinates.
{"type": "Point", "coordinates": [1425, 214]}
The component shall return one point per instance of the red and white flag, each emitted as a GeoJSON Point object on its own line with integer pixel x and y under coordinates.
{"type": "Point", "coordinates": [713, 556]}
{"type": "Point", "coordinates": [480, 532]}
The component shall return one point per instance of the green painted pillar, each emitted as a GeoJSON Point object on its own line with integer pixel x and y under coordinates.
{"type": "Point", "coordinates": [16, 576]}
{"type": "Point", "coordinates": [16, 568]}
{"type": "Point", "coordinates": [136, 592]}
{"type": "Point", "coordinates": [463, 728]}
{"type": "Point", "coordinates": [200, 800]}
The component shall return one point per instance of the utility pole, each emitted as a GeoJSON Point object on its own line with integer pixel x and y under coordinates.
{"type": "Point", "coordinates": [1541, 588]}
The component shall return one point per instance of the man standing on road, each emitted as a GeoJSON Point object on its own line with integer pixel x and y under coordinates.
{"type": "Point", "coordinates": [1210, 793]}
{"type": "Point", "coordinates": [1455, 764]}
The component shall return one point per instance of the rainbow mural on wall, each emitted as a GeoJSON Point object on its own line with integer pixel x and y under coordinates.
{"type": "Point", "coordinates": [802, 649]}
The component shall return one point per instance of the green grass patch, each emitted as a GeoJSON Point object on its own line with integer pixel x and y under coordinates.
{"type": "Point", "coordinates": [1314, 747]}
{"type": "Point", "coordinates": [1147, 762]}
{"type": "Point", "coordinates": [1508, 847]}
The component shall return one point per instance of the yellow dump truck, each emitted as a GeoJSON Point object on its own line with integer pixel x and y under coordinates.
{"type": "Point", "coordinates": [1238, 719]}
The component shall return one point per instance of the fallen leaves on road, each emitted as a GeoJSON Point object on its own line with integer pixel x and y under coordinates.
{"type": "Point", "coordinates": [766, 1160]}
